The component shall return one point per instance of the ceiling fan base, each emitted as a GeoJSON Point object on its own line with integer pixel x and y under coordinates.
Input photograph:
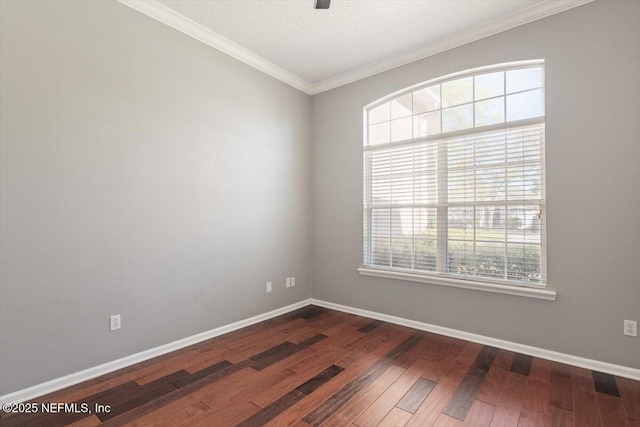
{"type": "Point", "coordinates": [322, 4]}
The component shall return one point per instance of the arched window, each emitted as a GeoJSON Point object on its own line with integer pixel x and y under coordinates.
{"type": "Point", "coordinates": [454, 177]}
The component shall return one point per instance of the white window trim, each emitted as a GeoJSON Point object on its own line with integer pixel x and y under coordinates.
{"type": "Point", "coordinates": [433, 279]}
{"type": "Point", "coordinates": [540, 291]}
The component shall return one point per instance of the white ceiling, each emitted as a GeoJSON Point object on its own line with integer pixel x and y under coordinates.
{"type": "Point", "coordinates": [316, 50]}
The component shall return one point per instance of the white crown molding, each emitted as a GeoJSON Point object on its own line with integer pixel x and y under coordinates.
{"type": "Point", "coordinates": [105, 368]}
{"type": "Point", "coordinates": [582, 362]}
{"type": "Point", "coordinates": [532, 13]}
{"type": "Point", "coordinates": [170, 17]}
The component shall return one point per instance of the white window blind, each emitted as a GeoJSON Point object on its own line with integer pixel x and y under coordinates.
{"type": "Point", "coordinates": [454, 178]}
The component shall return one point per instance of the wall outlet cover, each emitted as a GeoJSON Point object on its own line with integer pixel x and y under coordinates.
{"type": "Point", "coordinates": [114, 322]}
{"type": "Point", "coordinates": [631, 328]}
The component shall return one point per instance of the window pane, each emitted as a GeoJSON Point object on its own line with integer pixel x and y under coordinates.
{"type": "Point", "coordinates": [426, 174]}
{"type": "Point", "coordinates": [380, 188]}
{"type": "Point", "coordinates": [379, 173]}
{"type": "Point", "coordinates": [401, 237]}
{"type": "Point", "coordinates": [516, 263]}
{"type": "Point", "coordinates": [523, 224]}
{"type": "Point", "coordinates": [380, 114]}
{"type": "Point", "coordinates": [516, 216]}
{"type": "Point", "coordinates": [523, 263]}
{"type": "Point", "coordinates": [525, 146]}
{"type": "Point", "coordinates": [401, 252]}
{"type": "Point", "coordinates": [461, 186]}
{"type": "Point", "coordinates": [460, 153]}
{"type": "Point", "coordinates": [426, 124]}
{"type": "Point", "coordinates": [402, 187]}
{"type": "Point", "coordinates": [380, 252]}
{"type": "Point", "coordinates": [426, 252]}
{"type": "Point", "coordinates": [401, 107]}
{"type": "Point", "coordinates": [490, 184]}
{"type": "Point", "coordinates": [532, 142]}
{"type": "Point", "coordinates": [426, 99]}
{"type": "Point", "coordinates": [457, 92]}
{"type": "Point", "coordinates": [401, 129]}
{"type": "Point", "coordinates": [426, 188]}
{"type": "Point", "coordinates": [489, 85]}
{"type": "Point", "coordinates": [380, 237]}
{"type": "Point", "coordinates": [532, 182]}
{"type": "Point", "coordinates": [457, 118]}
{"type": "Point", "coordinates": [524, 182]}
{"type": "Point", "coordinates": [490, 149]}
{"type": "Point", "coordinates": [490, 259]}
{"type": "Point", "coordinates": [495, 225]}
{"type": "Point", "coordinates": [460, 225]}
{"type": "Point", "coordinates": [532, 225]}
{"type": "Point", "coordinates": [533, 257]}
{"type": "Point", "coordinates": [425, 225]}
{"type": "Point", "coordinates": [379, 134]}
{"type": "Point", "coordinates": [489, 112]}
{"type": "Point", "coordinates": [525, 105]}
{"type": "Point", "coordinates": [461, 257]}
{"type": "Point", "coordinates": [528, 78]}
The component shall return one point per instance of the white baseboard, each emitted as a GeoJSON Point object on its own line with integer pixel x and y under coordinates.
{"type": "Point", "coordinates": [87, 374]}
{"type": "Point", "coordinates": [96, 371]}
{"type": "Point", "coordinates": [582, 362]}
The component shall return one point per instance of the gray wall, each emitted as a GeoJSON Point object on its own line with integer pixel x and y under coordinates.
{"type": "Point", "coordinates": [143, 173]}
{"type": "Point", "coordinates": [592, 58]}
{"type": "Point", "coordinates": [146, 174]}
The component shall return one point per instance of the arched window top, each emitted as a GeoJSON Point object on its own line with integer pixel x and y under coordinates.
{"type": "Point", "coordinates": [475, 100]}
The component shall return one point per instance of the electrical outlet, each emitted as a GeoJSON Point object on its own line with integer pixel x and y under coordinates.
{"type": "Point", "coordinates": [293, 281]}
{"type": "Point", "coordinates": [114, 324]}
{"type": "Point", "coordinates": [268, 287]}
{"type": "Point", "coordinates": [631, 328]}
{"type": "Point", "coordinates": [287, 282]}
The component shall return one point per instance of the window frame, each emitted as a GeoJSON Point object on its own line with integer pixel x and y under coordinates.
{"type": "Point", "coordinates": [492, 284]}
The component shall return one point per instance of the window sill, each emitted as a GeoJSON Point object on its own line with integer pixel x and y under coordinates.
{"type": "Point", "coordinates": [465, 284]}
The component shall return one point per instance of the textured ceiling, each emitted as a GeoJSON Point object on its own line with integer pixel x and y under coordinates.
{"type": "Point", "coordinates": [317, 45]}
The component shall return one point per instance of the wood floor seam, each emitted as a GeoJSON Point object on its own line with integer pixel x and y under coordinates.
{"type": "Point", "coordinates": [316, 366]}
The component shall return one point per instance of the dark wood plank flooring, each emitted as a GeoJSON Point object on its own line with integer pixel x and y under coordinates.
{"type": "Point", "coordinates": [316, 367]}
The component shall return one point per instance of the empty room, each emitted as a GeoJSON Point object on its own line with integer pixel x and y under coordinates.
{"type": "Point", "coordinates": [320, 213]}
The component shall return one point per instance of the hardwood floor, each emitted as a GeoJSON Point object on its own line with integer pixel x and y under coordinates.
{"type": "Point", "coordinates": [317, 367]}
